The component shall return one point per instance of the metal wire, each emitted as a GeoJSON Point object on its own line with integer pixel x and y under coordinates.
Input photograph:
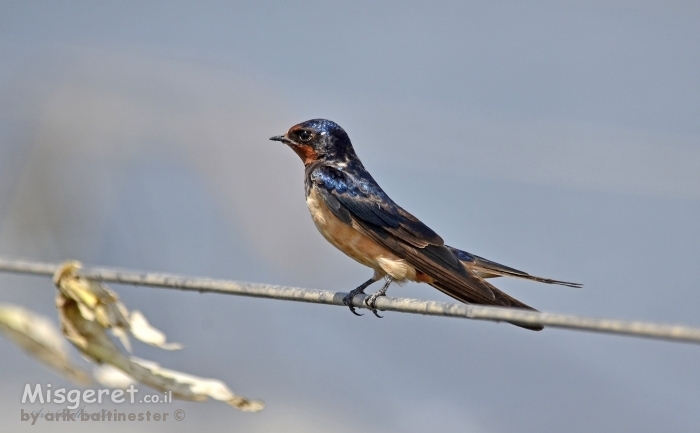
{"type": "Point", "coordinates": [399, 305]}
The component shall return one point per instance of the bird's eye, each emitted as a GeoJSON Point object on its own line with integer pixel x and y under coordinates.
{"type": "Point", "coordinates": [304, 135]}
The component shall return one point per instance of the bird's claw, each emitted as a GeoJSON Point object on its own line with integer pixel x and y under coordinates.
{"type": "Point", "coordinates": [347, 300]}
{"type": "Point", "coordinates": [370, 300]}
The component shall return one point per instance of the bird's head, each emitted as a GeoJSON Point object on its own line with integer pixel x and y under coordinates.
{"type": "Point", "coordinates": [318, 139]}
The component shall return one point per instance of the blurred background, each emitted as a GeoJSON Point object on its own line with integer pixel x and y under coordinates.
{"type": "Point", "coordinates": [557, 138]}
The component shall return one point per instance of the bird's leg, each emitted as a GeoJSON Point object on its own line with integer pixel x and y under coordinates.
{"type": "Point", "coordinates": [347, 300]}
{"type": "Point", "coordinates": [371, 299]}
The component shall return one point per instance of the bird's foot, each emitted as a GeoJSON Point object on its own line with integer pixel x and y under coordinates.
{"type": "Point", "coordinates": [372, 299]}
{"type": "Point", "coordinates": [347, 299]}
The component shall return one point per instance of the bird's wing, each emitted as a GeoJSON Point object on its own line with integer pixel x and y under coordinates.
{"type": "Point", "coordinates": [488, 269]}
{"type": "Point", "coordinates": [365, 207]}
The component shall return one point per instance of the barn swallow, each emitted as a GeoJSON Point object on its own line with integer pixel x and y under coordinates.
{"type": "Point", "coordinates": [355, 215]}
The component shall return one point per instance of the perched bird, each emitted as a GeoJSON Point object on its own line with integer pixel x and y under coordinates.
{"type": "Point", "coordinates": [355, 215]}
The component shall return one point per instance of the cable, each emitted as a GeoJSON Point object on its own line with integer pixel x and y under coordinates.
{"type": "Point", "coordinates": [399, 305]}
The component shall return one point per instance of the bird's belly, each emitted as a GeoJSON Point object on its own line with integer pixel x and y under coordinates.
{"type": "Point", "coordinates": [355, 244]}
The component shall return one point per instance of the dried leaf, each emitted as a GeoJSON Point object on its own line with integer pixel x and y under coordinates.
{"type": "Point", "coordinates": [213, 388]}
{"type": "Point", "coordinates": [41, 340]}
{"type": "Point", "coordinates": [89, 336]}
{"type": "Point", "coordinates": [141, 329]}
{"type": "Point", "coordinates": [97, 302]}
{"type": "Point", "coordinates": [112, 377]}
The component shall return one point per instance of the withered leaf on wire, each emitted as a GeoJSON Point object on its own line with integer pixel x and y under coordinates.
{"type": "Point", "coordinates": [87, 309]}
{"type": "Point", "coordinates": [98, 303]}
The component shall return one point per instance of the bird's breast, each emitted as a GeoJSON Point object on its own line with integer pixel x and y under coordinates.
{"type": "Point", "coordinates": [355, 244]}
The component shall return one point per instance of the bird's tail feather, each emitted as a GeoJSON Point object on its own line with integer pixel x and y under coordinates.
{"type": "Point", "coordinates": [501, 300]}
{"type": "Point", "coordinates": [488, 269]}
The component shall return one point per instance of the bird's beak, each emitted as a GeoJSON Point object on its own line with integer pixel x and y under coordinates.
{"type": "Point", "coordinates": [281, 138]}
